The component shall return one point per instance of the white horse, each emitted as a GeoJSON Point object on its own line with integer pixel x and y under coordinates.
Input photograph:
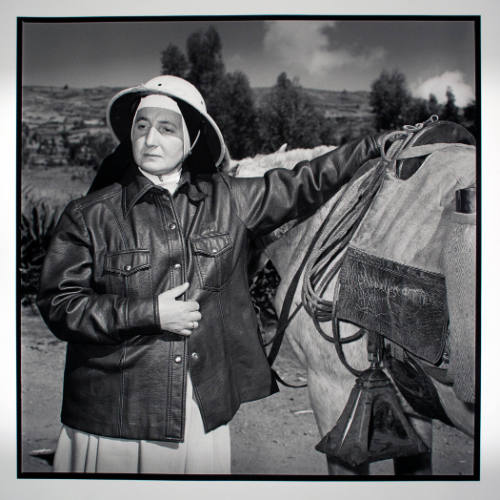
{"type": "Point", "coordinates": [400, 226]}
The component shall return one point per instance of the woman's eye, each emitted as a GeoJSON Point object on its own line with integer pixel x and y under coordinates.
{"type": "Point", "coordinates": [166, 130]}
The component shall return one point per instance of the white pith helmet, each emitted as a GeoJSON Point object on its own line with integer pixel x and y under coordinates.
{"type": "Point", "coordinates": [121, 109]}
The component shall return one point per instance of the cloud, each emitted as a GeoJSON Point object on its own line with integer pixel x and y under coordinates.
{"type": "Point", "coordinates": [303, 47]}
{"type": "Point", "coordinates": [235, 60]}
{"type": "Point", "coordinates": [439, 84]}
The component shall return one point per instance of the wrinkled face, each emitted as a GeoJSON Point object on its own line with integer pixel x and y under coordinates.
{"type": "Point", "coordinates": [157, 140]}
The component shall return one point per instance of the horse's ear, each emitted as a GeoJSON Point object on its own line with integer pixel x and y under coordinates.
{"type": "Point", "coordinates": [112, 167]}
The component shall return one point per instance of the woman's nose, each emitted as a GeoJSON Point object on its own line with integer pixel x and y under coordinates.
{"type": "Point", "coordinates": [151, 137]}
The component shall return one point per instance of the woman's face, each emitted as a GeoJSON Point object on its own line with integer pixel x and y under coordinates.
{"type": "Point", "coordinates": [157, 140]}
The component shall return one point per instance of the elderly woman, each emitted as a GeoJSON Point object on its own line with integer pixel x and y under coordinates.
{"type": "Point", "coordinates": [146, 281]}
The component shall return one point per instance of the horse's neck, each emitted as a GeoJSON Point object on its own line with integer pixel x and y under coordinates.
{"type": "Point", "coordinates": [287, 252]}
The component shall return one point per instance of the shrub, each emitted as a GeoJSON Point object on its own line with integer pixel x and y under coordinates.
{"type": "Point", "coordinates": [262, 291]}
{"type": "Point", "coordinates": [38, 220]}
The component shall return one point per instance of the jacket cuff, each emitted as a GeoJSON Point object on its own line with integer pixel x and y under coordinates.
{"type": "Point", "coordinates": [142, 314]}
{"type": "Point", "coordinates": [156, 312]}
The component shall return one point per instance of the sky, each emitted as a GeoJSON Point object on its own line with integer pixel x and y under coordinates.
{"type": "Point", "coordinates": [323, 53]}
{"type": "Point", "coordinates": [422, 58]}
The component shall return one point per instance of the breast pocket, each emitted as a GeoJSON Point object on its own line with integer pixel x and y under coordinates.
{"type": "Point", "coordinates": [128, 273]}
{"type": "Point", "coordinates": [213, 258]}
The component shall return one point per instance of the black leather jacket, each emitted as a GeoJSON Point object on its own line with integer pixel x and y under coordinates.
{"type": "Point", "coordinates": [117, 249]}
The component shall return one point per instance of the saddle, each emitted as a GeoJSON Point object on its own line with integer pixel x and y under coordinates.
{"type": "Point", "coordinates": [411, 262]}
{"type": "Point", "coordinates": [381, 248]}
{"type": "Point", "coordinates": [401, 275]}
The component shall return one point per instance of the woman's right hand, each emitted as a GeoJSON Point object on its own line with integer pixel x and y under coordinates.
{"type": "Point", "coordinates": [178, 316]}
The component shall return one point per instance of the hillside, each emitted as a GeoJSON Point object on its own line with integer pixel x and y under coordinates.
{"type": "Point", "coordinates": [56, 104]}
{"type": "Point", "coordinates": [42, 104]}
{"type": "Point", "coordinates": [67, 126]}
{"type": "Point", "coordinates": [333, 103]}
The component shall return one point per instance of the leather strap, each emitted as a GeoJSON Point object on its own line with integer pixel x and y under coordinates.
{"type": "Point", "coordinates": [348, 222]}
{"type": "Point", "coordinates": [285, 318]}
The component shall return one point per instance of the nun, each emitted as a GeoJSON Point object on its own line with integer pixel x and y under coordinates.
{"type": "Point", "coordinates": [146, 281]}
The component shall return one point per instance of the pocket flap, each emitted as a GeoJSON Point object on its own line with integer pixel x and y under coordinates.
{"type": "Point", "coordinates": [127, 262]}
{"type": "Point", "coordinates": [211, 245]}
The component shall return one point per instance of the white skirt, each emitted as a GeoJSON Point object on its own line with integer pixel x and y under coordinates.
{"type": "Point", "coordinates": [200, 453]}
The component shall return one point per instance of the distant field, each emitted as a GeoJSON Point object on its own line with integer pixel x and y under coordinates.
{"type": "Point", "coordinates": [46, 103]}
{"type": "Point", "coordinates": [41, 103]}
{"type": "Point", "coordinates": [58, 184]}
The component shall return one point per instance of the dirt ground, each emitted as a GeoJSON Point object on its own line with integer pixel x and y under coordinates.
{"type": "Point", "coordinates": [274, 436]}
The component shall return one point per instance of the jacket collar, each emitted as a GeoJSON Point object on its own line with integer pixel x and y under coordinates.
{"type": "Point", "coordinates": [135, 186]}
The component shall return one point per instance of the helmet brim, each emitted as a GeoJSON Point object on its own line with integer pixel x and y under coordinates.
{"type": "Point", "coordinates": [122, 107]}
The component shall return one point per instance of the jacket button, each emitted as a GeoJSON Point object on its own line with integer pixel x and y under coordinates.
{"type": "Point", "coordinates": [177, 266]}
{"type": "Point", "coordinates": [195, 356]}
{"type": "Point", "coordinates": [172, 226]}
{"type": "Point", "coordinates": [128, 267]}
{"type": "Point", "coordinates": [214, 250]}
{"type": "Point", "coordinates": [178, 359]}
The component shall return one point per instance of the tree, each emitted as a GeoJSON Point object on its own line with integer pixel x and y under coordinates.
{"type": "Point", "coordinates": [328, 131]}
{"type": "Point", "coordinates": [450, 110]}
{"type": "Point", "coordinates": [389, 99]}
{"type": "Point", "coordinates": [174, 62]}
{"type": "Point", "coordinates": [236, 114]}
{"type": "Point", "coordinates": [99, 146]}
{"type": "Point", "coordinates": [206, 71]}
{"type": "Point", "coordinates": [470, 121]}
{"type": "Point", "coordinates": [228, 97]}
{"type": "Point", "coordinates": [417, 111]}
{"type": "Point", "coordinates": [434, 107]}
{"type": "Point", "coordinates": [288, 116]}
